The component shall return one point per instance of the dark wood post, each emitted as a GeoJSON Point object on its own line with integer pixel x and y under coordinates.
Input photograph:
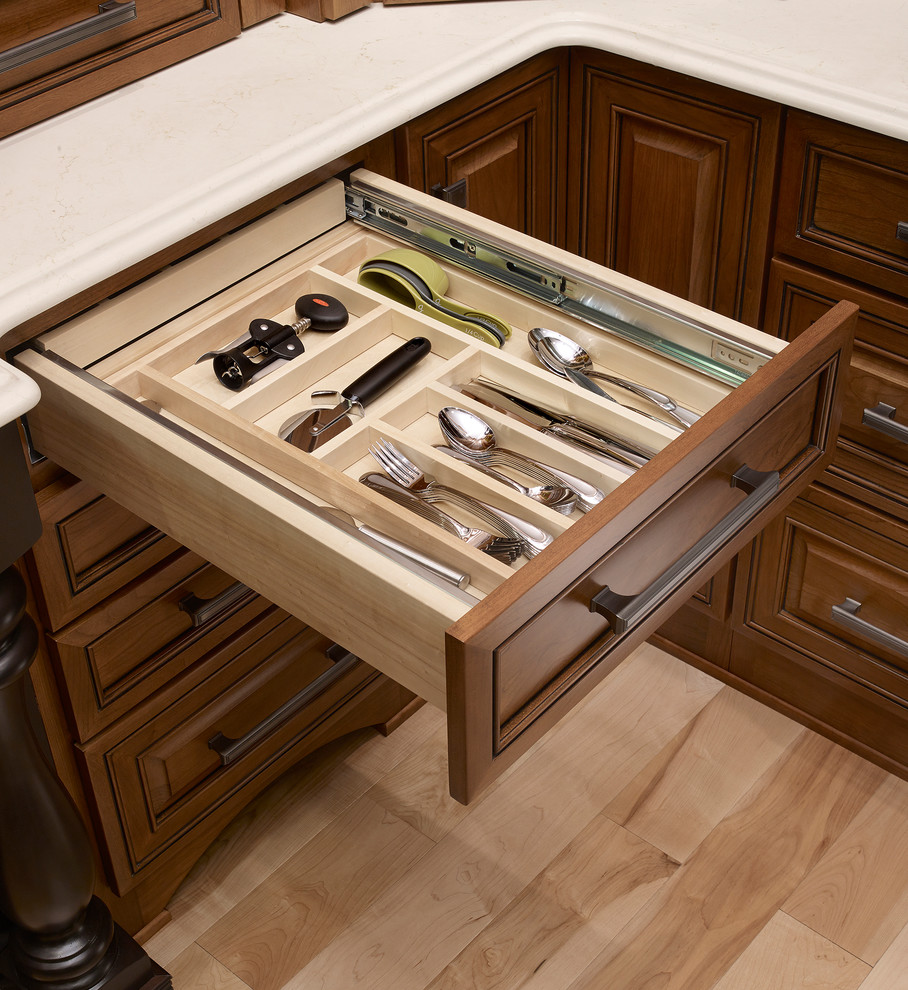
{"type": "Point", "coordinates": [58, 935]}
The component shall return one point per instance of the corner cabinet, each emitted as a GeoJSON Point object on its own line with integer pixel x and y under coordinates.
{"type": "Point", "coordinates": [54, 56]}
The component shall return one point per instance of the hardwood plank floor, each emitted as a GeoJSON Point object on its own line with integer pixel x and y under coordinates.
{"type": "Point", "coordinates": [670, 833]}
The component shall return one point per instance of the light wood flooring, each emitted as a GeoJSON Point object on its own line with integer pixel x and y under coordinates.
{"type": "Point", "coordinates": [669, 834]}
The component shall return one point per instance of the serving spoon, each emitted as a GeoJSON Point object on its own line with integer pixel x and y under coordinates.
{"type": "Point", "coordinates": [467, 432]}
{"type": "Point", "coordinates": [567, 358]}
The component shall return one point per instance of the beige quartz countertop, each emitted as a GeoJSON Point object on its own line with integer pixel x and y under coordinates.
{"type": "Point", "coordinates": [102, 186]}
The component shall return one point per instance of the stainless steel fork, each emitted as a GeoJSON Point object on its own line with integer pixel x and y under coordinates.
{"type": "Point", "coordinates": [403, 470]}
{"type": "Point", "coordinates": [503, 548]}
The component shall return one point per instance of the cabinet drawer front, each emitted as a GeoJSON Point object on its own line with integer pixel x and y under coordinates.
{"type": "Point", "coordinates": [180, 765]}
{"type": "Point", "coordinates": [210, 469]}
{"type": "Point", "coordinates": [836, 592]}
{"type": "Point", "coordinates": [90, 547]}
{"type": "Point", "coordinates": [872, 455]}
{"type": "Point", "coordinates": [843, 196]}
{"type": "Point", "coordinates": [55, 56]}
{"type": "Point", "coordinates": [126, 649]}
{"type": "Point", "coordinates": [529, 664]}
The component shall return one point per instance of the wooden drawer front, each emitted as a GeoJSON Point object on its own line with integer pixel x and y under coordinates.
{"type": "Point", "coordinates": [842, 196]}
{"type": "Point", "coordinates": [700, 628]}
{"type": "Point", "coordinates": [176, 767]}
{"type": "Point", "coordinates": [126, 649]}
{"type": "Point", "coordinates": [565, 641]}
{"type": "Point", "coordinates": [836, 592]}
{"type": "Point", "coordinates": [36, 82]}
{"type": "Point", "coordinates": [871, 463]}
{"type": "Point", "coordinates": [90, 547]}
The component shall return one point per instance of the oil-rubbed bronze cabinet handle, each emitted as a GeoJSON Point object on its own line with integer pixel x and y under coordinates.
{"type": "Point", "coordinates": [901, 230]}
{"type": "Point", "coordinates": [846, 615]}
{"type": "Point", "coordinates": [625, 611]}
{"type": "Point", "coordinates": [111, 14]}
{"type": "Point", "coordinates": [202, 610]}
{"type": "Point", "coordinates": [455, 194]}
{"type": "Point", "coordinates": [882, 418]}
{"type": "Point", "coordinates": [230, 750]}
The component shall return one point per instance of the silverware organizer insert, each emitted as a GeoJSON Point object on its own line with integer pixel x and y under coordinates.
{"type": "Point", "coordinates": [164, 376]}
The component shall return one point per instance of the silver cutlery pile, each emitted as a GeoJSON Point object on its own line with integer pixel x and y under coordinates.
{"type": "Point", "coordinates": [567, 359]}
{"type": "Point", "coordinates": [620, 453]}
{"type": "Point", "coordinates": [520, 536]}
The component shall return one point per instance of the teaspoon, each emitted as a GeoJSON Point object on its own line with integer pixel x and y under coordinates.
{"type": "Point", "coordinates": [567, 358]}
{"type": "Point", "coordinates": [466, 431]}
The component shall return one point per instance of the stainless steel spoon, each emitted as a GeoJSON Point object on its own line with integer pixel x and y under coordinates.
{"type": "Point", "coordinates": [557, 497]}
{"type": "Point", "coordinates": [567, 358]}
{"type": "Point", "coordinates": [466, 431]}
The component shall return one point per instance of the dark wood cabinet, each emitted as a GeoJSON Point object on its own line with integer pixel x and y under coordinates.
{"type": "Point", "coordinates": [499, 150]}
{"type": "Point", "coordinates": [671, 180]}
{"type": "Point", "coordinates": [819, 619]}
{"type": "Point", "coordinates": [172, 695]}
{"type": "Point", "coordinates": [843, 201]}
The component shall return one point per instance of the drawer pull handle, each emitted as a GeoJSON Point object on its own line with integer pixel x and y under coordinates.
{"type": "Point", "coordinates": [882, 418]}
{"type": "Point", "coordinates": [110, 14]}
{"type": "Point", "coordinates": [846, 615]}
{"type": "Point", "coordinates": [455, 194]}
{"type": "Point", "coordinates": [202, 610]}
{"type": "Point", "coordinates": [230, 750]}
{"type": "Point", "coordinates": [626, 611]}
{"type": "Point", "coordinates": [901, 230]}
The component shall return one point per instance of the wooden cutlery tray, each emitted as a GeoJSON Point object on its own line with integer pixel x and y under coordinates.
{"type": "Point", "coordinates": [126, 407]}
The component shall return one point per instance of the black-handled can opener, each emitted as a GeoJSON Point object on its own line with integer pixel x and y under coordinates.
{"type": "Point", "coordinates": [314, 427]}
{"type": "Point", "coordinates": [252, 355]}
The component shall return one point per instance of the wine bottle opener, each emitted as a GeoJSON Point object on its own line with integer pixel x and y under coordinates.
{"type": "Point", "coordinates": [254, 354]}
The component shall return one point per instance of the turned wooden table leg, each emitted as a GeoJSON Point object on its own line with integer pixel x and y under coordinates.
{"type": "Point", "coordinates": [61, 935]}
{"type": "Point", "coordinates": [54, 934]}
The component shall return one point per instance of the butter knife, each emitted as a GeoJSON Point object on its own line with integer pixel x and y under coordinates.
{"type": "Point", "coordinates": [459, 579]}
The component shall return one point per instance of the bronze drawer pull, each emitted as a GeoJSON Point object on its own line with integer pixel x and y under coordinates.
{"type": "Point", "coordinates": [202, 610]}
{"type": "Point", "coordinates": [110, 14]}
{"type": "Point", "coordinates": [230, 750]}
{"type": "Point", "coordinates": [626, 611]}
{"type": "Point", "coordinates": [901, 231]}
{"type": "Point", "coordinates": [882, 418]}
{"type": "Point", "coordinates": [846, 614]}
{"type": "Point", "coordinates": [455, 194]}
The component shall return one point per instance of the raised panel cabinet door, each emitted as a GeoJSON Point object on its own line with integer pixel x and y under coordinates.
{"type": "Point", "coordinates": [498, 150]}
{"type": "Point", "coordinates": [671, 181]}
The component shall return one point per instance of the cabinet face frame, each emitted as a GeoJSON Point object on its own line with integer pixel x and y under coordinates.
{"type": "Point", "coordinates": [465, 660]}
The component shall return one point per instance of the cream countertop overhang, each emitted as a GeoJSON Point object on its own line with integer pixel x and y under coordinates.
{"type": "Point", "coordinates": [94, 190]}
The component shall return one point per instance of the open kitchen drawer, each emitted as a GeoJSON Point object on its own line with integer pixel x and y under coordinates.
{"type": "Point", "coordinates": [125, 406]}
